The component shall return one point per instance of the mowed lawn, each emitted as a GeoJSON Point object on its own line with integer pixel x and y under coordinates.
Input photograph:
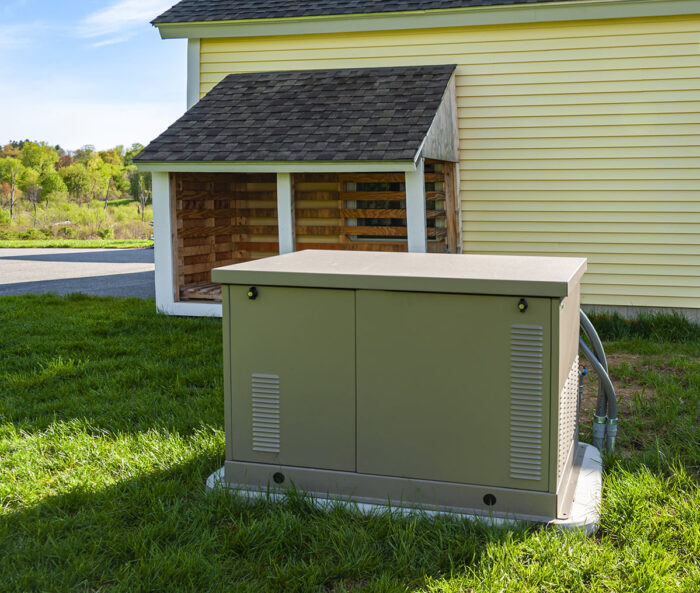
{"type": "Point", "coordinates": [111, 418]}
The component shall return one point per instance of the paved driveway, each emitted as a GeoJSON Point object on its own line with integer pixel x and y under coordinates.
{"type": "Point", "coordinates": [104, 272]}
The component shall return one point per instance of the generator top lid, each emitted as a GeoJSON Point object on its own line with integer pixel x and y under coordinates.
{"type": "Point", "coordinates": [415, 272]}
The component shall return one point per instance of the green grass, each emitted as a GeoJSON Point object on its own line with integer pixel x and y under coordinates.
{"type": "Point", "coordinates": [111, 417]}
{"type": "Point", "coordinates": [80, 244]}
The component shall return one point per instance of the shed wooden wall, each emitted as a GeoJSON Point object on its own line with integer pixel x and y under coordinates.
{"type": "Point", "coordinates": [577, 138]}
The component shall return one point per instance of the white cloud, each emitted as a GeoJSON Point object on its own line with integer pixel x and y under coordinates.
{"type": "Point", "coordinates": [110, 41]}
{"type": "Point", "coordinates": [122, 19]}
{"type": "Point", "coordinates": [21, 35]}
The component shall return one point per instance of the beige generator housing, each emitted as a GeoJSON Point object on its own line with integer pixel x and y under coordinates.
{"type": "Point", "coordinates": [448, 382]}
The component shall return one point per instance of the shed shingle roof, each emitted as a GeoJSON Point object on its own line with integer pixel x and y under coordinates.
{"type": "Point", "coordinates": [369, 114]}
{"type": "Point", "coordinates": [232, 10]}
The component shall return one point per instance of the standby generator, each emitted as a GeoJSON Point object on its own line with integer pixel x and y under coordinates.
{"type": "Point", "coordinates": [444, 382]}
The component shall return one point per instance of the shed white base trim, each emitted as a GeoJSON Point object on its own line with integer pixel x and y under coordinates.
{"type": "Point", "coordinates": [585, 509]}
{"type": "Point", "coordinates": [191, 309]}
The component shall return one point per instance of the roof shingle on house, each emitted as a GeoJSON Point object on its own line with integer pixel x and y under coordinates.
{"type": "Point", "coordinates": [367, 114]}
{"type": "Point", "coordinates": [189, 11]}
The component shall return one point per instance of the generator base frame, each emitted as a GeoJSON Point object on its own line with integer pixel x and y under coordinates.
{"type": "Point", "coordinates": [585, 488]}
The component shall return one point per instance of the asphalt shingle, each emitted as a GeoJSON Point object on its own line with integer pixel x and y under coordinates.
{"type": "Point", "coordinates": [305, 116]}
{"type": "Point", "coordinates": [188, 11]}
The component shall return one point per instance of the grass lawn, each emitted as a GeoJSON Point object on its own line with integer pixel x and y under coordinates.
{"type": "Point", "coordinates": [111, 418]}
{"type": "Point", "coordinates": [80, 244]}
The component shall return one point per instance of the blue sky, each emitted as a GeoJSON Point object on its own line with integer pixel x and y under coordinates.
{"type": "Point", "coordinates": [82, 72]}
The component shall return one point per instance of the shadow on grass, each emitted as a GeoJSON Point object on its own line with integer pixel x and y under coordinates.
{"type": "Point", "coordinates": [163, 532]}
{"type": "Point", "coordinates": [134, 284]}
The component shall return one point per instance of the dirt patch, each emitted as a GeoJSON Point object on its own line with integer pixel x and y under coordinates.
{"type": "Point", "coordinates": [625, 388]}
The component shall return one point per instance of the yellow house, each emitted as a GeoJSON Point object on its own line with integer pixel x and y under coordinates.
{"type": "Point", "coordinates": [565, 128]}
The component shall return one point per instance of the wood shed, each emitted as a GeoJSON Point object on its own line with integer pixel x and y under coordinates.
{"type": "Point", "coordinates": [269, 163]}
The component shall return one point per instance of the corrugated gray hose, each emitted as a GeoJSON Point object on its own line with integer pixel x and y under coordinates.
{"type": "Point", "coordinates": [605, 417]}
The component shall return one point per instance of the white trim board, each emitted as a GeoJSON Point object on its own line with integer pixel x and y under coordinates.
{"type": "Point", "coordinates": [415, 210]}
{"type": "Point", "coordinates": [162, 241]}
{"type": "Point", "coordinates": [279, 167]}
{"type": "Point", "coordinates": [285, 213]}
{"type": "Point", "coordinates": [193, 72]}
{"type": "Point", "coordinates": [458, 17]}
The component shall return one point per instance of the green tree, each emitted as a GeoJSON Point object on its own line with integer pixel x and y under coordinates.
{"type": "Point", "coordinates": [131, 152]}
{"type": "Point", "coordinates": [113, 156]}
{"type": "Point", "coordinates": [77, 180]}
{"type": "Point", "coordinates": [39, 156]}
{"type": "Point", "coordinates": [99, 176]}
{"type": "Point", "coordinates": [116, 180]}
{"type": "Point", "coordinates": [30, 184]}
{"type": "Point", "coordinates": [11, 170]}
{"type": "Point", "coordinates": [52, 184]}
{"type": "Point", "coordinates": [141, 187]}
{"type": "Point", "coordinates": [10, 150]}
{"type": "Point", "coordinates": [84, 154]}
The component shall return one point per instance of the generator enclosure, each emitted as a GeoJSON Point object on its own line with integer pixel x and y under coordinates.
{"type": "Point", "coordinates": [447, 382]}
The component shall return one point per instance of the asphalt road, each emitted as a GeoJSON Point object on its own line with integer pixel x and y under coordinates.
{"type": "Point", "coordinates": [103, 272]}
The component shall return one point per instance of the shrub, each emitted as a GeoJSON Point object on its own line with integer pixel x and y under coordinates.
{"type": "Point", "coordinates": [107, 233]}
{"type": "Point", "coordinates": [30, 234]}
{"type": "Point", "coordinates": [132, 229]}
{"type": "Point", "coordinates": [67, 232]}
{"type": "Point", "coordinates": [660, 327]}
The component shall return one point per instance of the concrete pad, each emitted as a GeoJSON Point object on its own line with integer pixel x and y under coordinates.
{"type": "Point", "coordinates": [585, 510]}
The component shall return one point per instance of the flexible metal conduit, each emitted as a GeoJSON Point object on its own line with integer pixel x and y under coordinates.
{"type": "Point", "coordinates": [605, 417]}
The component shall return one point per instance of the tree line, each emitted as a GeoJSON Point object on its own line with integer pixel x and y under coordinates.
{"type": "Point", "coordinates": [38, 173]}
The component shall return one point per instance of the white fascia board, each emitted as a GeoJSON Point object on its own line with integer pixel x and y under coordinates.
{"type": "Point", "coordinates": [281, 167]}
{"type": "Point", "coordinates": [457, 17]}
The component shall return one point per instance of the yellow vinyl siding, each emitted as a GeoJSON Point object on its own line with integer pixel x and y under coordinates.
{"type": "Point", "coordinates": [577, 139]}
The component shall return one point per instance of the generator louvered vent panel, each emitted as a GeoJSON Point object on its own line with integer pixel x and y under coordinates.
{"type": "Point", "coordinates": [526, 385]}
{"type": "Point", "coordinates": [266, 413]}
{"type": "Point", "coordinates": [568, 406]}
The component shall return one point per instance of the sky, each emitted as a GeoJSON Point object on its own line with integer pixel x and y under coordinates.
{"type": "Point", "coordinates": [77, 72]}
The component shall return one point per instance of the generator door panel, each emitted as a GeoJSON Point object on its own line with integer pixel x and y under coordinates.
{"type": "Point", "coordinates": [292, 363]}
{"type": "Point", "coordinates": [454, 388]}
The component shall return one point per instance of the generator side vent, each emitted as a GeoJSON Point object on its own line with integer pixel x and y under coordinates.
{"type": "Point", "coordinates": [266, 413]}
{"type": "Point", "coordinates": [568, 405]}
{"type": "Point", "coordinates": [526, 385]}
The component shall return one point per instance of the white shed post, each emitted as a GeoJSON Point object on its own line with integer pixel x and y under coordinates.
{"type": "Point", "coordinates": [285, 213]}
{"type": "Point", "coordinates": [193, 49]}
{"type": "Point", "coordinates": [162, 247]}
{"type": "Point", "coordinates": [415, 209]}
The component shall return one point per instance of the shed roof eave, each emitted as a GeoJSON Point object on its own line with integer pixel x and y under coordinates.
{"type": "Point", "coordinates": [436, 18]}
{"type": "Point", "coordinates": [277, 167]}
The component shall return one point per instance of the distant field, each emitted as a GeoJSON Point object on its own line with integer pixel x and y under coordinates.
{"type": "Point", "coordinates": [77, 244]}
